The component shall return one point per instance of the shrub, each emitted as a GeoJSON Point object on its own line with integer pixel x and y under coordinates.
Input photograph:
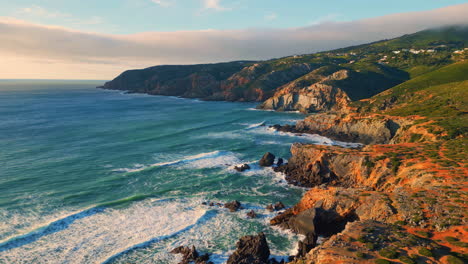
{"type": "Point", "coordinates": [451, 239]}
{"type": "Point", "coordinates": [362, 239]}
{"type": "Point", "coordinates": [406, 259]}
{"type": "Point", "coordinates": [423, 233]}
{"type": "Point", "coordinates": [400, 223]}
{"type": "Point", "coordinates": [425, 252]}
{"type": "Point", "coordinates": [382, 261]}
{"type": "Point", "coordinates": [360, 255]}
{"type": "Point", "coordinates": [388, 253]}
{"type": "Point", "coordinates": [370, 246]}
{"type": "Point", "coordinates": [454, 260]}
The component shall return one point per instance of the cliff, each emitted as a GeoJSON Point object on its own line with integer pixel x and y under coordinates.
{"type": "Point", "coordinates": [307, 83]}
{"type": "Point", "coordinates": [398, 199]}
{"type": "Point", "coordinates": [312, 93]}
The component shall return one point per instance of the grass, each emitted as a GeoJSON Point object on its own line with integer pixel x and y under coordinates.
{"type": "Point", "coordinates": [441, 96]}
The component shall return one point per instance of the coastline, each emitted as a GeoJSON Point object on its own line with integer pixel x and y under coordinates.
{"type": "Point", "coordinates": [364, 174]}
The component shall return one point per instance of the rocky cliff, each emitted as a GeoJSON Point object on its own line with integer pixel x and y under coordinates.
{"type": "Point", "coordinates": [355, 192]}
{"type": "Point", "coordinates": [232, 81]}
{"type": "Point", "coordinates": [312, 93]}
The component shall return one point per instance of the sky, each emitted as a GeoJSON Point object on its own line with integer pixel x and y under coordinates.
{"type": "Point", "coordinates": [90, 39]}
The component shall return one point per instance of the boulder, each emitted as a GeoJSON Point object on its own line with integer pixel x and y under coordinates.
{"type": "Point", "coordinates": [190, 255]}
{"type": "Point", "coordinates": [267, 160]}
{"type": "Point", "coordinates": [251, 250]}
{"type": "Point", "coordinates": [307, 244]}
{"type": "Point", "coordinates": [242, 168]}
{"type": "Point", "coordinates": [233, 206]}
{"type": "Point", "coordinates": [279, 206]}
{"type": "Point", "coordinates": [279, 162]}
{"type": "Point", "coordinates": [252, 214]}
{"type": "Point", "coordinates": [270, 208]}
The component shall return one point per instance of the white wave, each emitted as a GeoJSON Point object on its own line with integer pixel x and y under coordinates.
{"type": "Point", "coordinates": [256, 109]}
{"type": "Point", "coordinates": [256, 125]}
{"type": "Point", "coordinates": [100, 236]}
{"type": "Point", "coordinates": [309, 138]}
{"type": "Point", "coordinates": [202, 160]}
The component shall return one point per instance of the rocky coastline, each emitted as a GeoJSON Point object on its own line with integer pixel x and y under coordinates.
{"type": "Point", "coordinates": [398, 198]}
{"type": "Point", "coordinates": [381, 202]}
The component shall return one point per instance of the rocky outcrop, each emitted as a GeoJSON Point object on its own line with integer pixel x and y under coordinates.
{"type": "Point", "coordinates": [267, 160]}
{"type": "Point", "coordinates": [191, 255]}
{"type": "Point", "coordinates": [314, 165]}
{"type": "Point", "coordinates": [233, 206]}
{"type": "Point", "coordinates": [242, 167]}
{"type": "Point", "coordinates": [370, 129]}
{"type": "Point", "coordinates": [251, 214]}
{"type": "Point", "coordinates": [311, 93]}
{"type": "Point", "coordinates": [251, 250]}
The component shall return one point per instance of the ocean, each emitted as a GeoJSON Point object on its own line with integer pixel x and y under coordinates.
{"type": "Point", "coordinates": [96, 176]}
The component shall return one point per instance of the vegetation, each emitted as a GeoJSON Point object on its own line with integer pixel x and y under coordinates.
{"type": "Point", "coordinates": [425, 252]}
{"type": "Point", "coordinates": [389, 253]}
{"type": "Point", "coordinates": [454, 260]}
{"type": "Point", "coordinates": [406, 259]}
{"type": "Point", "coordinates": [382, 261]}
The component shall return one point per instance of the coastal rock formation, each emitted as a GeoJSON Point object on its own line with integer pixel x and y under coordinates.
{"type": "Point", "coordinates": [233, 206]}
{"type": "Point", "coordinates": [251, 214]}
{"type": "Point", "coordinates": [311, 93]}
{"type": "Point", "coordinates": [190, 255]}
{"type": "Point", "coordinates": [251, 250]}
{"type": "Point", "coordinates": [242, 168]}
{"type": "Point", "coordinates": [267, 160]}
{"type": "Point", "coordinates": [349, 128]}
{"type": "Point", "coordinates": [313, 165]}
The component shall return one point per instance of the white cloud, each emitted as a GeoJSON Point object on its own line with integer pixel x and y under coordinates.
{"type": "Point", "coordinates": [327, 18]}
{"type": "Point", "coordinates": [271, 17]}
{"type": "Point", "coordinates": [163, 3]}
{"type": "Point", "coordinates": [214, 5]}
{"type": "Point", "coordinates": [102, 56]}
{"type": "Point", "coordinates": [38, 11]}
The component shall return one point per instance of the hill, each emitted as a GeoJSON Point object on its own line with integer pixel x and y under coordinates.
{"type": "Point", "coordinates": [370, 69]}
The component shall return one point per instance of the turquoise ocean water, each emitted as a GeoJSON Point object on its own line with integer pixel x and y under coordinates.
{"type": "Point", "coordinates": [95, 176]}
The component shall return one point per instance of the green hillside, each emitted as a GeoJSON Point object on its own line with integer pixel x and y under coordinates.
{"type": "Point", "coordinates": [441, 95]}
{"type": "Point", "coordinates": [373, 68]}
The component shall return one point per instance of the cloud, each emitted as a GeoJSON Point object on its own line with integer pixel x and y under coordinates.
{"type": "Point", "coordinates": [271, 17]}
{"type": "Point", "coordinates": [38, 11]}
{"type": "Point", "coordinates": [163, 3]}
{"type": "Point", "coordinates": [85, 55]}
{"type": "Point", "coordinates": [35, 11]}
{"type": "Point", "coordinates": [214, 5]}
{"type": "Point", "coordinates": [328, 18]}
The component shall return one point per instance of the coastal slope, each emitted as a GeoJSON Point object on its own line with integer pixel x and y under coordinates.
{"type": "Point", "coordinates": [308, 83]}
{"type": "Point", "coordinates": [401, 198]}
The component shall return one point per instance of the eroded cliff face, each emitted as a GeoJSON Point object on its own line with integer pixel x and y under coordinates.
{"type": "Point", "coordinates": [365, 129]}
{"type": "Point", "coordinates": [312, 93]}
{"type": "Point", "coordinates": [314, 165]}
{"type": "Point", "coordinates": [357, 196]}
